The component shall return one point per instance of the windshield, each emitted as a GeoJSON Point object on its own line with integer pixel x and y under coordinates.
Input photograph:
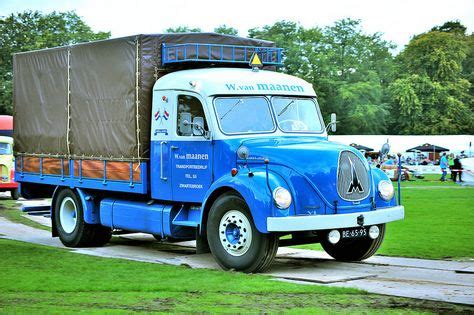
{"type": "Point", "coordinates": [244, 114]}
{"type": "Point", "coordinates": [5, 148]}
{"type": "Point", "coordinates": [297, 114]}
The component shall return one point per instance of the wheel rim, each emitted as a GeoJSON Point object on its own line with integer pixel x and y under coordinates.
{"type": "Point", "coordinates": [235, 233]}
{"type": "Point", "coordinates": [68, 214]}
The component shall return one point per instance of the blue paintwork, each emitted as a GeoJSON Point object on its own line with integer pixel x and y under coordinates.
{"type": "Point", "coordinates": [379, 175]}
{"type": "Point", "coordinates": [132, 215]}
{"type": "Point", "coordinates": [179, 53]}
{"type": "Point", "coordinates": [89, 206]}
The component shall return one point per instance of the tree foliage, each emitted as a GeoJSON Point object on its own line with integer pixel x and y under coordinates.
{"type": "Point", "coordinates": [31, 31]}
{"type": "Point", "coordinates": [432, 94]}
{"type": "Point", "coordinates": [183, 29]}
{"type": "Point", "coordinates": [348, 68]}
{"type": "Point", "coordinates": [227, 30]}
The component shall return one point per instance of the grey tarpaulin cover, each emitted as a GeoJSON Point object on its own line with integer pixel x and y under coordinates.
{"type": "Point", "coordinates": [102, 79]}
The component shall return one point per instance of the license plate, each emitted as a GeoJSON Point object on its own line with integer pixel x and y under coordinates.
{"type": "Point", "coordinates": [354, 233]}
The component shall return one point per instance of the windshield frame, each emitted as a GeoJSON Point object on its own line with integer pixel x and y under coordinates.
{"type": "Point", "coordinates": [318, 110]}
{"type": "Point", "coordinates": [270, 109]}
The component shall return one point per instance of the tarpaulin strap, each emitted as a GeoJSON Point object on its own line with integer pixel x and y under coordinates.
{"type": "Point", "coordinates": [68, 100]}
{"type": "Point", "coordinates": [137, 96]}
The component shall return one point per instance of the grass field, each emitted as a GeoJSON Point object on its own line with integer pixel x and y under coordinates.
{"type": "Point", "coordinates": [37, 279]}
{"type": "Point", "coordinates": [439, 217]}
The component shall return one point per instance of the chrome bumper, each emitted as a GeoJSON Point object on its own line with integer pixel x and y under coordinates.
{"type": "Point", "coordinates": [334, 221]}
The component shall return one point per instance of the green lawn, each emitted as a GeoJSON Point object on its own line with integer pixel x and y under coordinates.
{"type": "Point", "coordinates": [439, 218]}
{"type": "Point", "coordinates": [38, 279]}
{"type": "Point", "coordinates": [10, 210]}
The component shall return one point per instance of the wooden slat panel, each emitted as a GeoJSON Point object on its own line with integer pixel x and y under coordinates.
{"type": "Point", "coordinates": [121, 171]}
{"type": "Point", "coordinates": [115, 170]}
{"type": "Point", "coordinates": [53, 166]}
{"type": "Point", "coordinates": [90, 168]}
{"type": "Point", "coordinates": [31, 164]}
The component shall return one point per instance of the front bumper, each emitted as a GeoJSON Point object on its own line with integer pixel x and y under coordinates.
{"type": "Point", "coordinates": [334, 221]}
{"type": "Point", "coordinates": [8, 185]}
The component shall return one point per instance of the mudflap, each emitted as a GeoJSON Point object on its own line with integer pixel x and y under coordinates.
{"type": "Point", "coordinates": [202, 246]}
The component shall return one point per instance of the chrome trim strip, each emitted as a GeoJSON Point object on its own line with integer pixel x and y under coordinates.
{"type": "Point", "coordinates": [333, 221]}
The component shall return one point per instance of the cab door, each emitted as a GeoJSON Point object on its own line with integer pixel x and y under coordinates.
{"type": "Point", "coordinates": [162, 132]}
{"type": "Point", "coordinates": [190, 149]}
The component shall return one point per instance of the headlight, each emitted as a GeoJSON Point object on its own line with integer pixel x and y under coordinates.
{"type": "Point", "coordinates": [386, 190]}
{"type": "Point", "coordinates": [282, 198]}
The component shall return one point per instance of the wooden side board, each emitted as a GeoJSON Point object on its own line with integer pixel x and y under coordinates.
{"type": "Point", "coordinates": [85, 168]}
{"type": "Point", "coordinates": [114, 170]}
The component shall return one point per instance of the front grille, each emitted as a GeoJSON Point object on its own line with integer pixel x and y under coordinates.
{"type": "Point", "coordinates": [353, 182]}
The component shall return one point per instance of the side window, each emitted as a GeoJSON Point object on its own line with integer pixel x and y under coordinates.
{"type": "Point", "coordinates": [191, 118]}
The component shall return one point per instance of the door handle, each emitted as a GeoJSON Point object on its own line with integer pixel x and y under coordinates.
{"type": "Point", "coordinates": [161, 160]}
{"type": "Point", "coordinates": [173, 147]}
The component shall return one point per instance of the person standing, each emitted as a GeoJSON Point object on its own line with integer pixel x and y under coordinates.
{"type": "Point", "coordinates": [457, 169]}
{"type": "Point", "coordinates": [443, 164]}
{"type": "Point", "coordinates": [451, 165]}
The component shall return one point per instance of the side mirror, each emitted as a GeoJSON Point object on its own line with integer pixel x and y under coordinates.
{"type": "Point", "coordinates": [198, 126]}
{"type": "Point", "coordinates": [333, 122]}
{"type": "Point", "coordinates": [185, 127]}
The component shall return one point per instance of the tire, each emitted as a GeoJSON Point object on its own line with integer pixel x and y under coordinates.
{"type": "Point", "coordinates": [353, 250]}
{"type": "Point", "coordinates": [234, 240]}
{"type": "Point", "coordinates": [69, 221]}
{"type": "Point", "coordinates": [15, 194]}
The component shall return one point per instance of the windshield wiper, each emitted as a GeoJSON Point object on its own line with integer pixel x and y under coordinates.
{"type": "Point", "coordinates": [232, 108]}
{"type": "Point", "coordinates": [285, 108]}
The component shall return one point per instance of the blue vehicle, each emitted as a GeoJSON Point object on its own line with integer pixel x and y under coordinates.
{"type": "Point", "coordinates": [238, 158]}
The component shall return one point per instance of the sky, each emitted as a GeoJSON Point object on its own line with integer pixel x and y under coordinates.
{"type": "Point", "coordinates": [397, 20]}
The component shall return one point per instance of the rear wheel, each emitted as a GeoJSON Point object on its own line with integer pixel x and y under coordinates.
{"type": "Point", "coordinates": [233, 238]}
{"type": "Point", "coordinates": [353, 250]}
{"type": "Point", "coordinates": [73, 231]}
{"type": "Point", "coordinates": [15, 194]}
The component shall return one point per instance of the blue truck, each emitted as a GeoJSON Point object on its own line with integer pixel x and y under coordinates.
{"type": "Point", "coordinates": [191, 136]}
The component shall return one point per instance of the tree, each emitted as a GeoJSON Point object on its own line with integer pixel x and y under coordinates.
{"type": "Point", "coordinates": [350, 70]}
{"type": "Point", "coordinates": [451, 27]}
{"type": "Point", "coordinates": [227, 30]}
{"type": "Point", "coordinates": [431, 94]}
{"type": "Point", "coordinates": [34, 30]}
{"type": "Point", "coordinates": [183, 29]}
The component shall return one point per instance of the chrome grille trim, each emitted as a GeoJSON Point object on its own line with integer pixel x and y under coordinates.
{"type": "Point", "coordinates": [350, 166]}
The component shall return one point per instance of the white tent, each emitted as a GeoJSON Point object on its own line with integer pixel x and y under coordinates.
{"type": "Point", "coordinates": [468, 171]}
{"type": "Point", "coordinates": [455, 143]}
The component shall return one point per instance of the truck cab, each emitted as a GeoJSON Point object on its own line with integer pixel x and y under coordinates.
{"type": "Point", "coordinates": [7, 167]}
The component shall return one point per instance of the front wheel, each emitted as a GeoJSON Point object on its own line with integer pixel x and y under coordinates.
{"type": "Point", "coordinates": [15, 194]}
{"type": "Point", "coordinates": [69, 221]}
{"type": "Point", "coordinates": [234, 240]}
{"type": "Point", "coordinates": [355, 249]}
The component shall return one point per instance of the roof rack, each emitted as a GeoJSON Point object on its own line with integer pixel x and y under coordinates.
{"type": "Point", "coordinates": [195, 52]}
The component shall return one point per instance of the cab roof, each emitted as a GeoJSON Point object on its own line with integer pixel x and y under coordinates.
{"type": "Point", "coordinates": [231, 81]}
{"type": "Point", "coordinates": [4, 139]}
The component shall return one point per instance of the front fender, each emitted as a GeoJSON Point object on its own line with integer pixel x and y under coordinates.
{"type": "Point", "coordinates": [254, 190]}
{"type": "Point", "coordinates": [379, 175]}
